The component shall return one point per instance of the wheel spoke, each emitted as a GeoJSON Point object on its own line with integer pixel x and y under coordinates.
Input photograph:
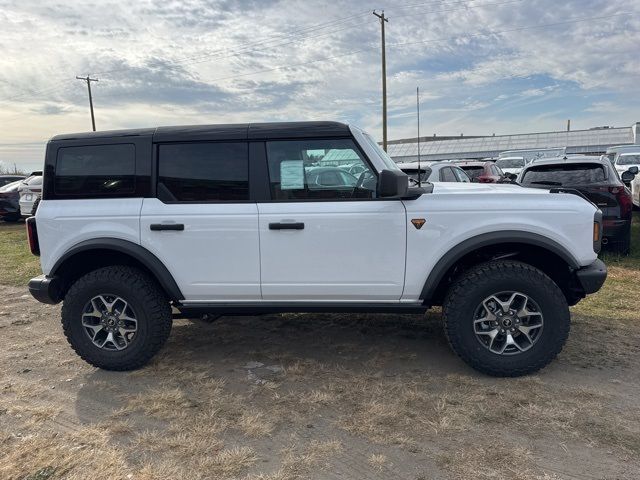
{"type": "Point", "coordinates": [109, 322]}
{"type": "Point", "coordinates": [508, 322]}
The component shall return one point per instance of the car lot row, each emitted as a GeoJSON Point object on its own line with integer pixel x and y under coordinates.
{"type": "Point", "coordinates": [611, 184]}
{"type": "Point", "coordinates": [19, 195]}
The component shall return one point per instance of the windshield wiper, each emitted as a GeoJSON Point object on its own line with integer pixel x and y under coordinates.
{"type": "Point", "coordinates": [547, 182]}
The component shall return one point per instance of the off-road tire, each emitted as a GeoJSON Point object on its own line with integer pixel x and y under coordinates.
{"type": "Point", "coordinates": [152, 309]}
{"type": "Point", "coordinates": [476, 284]}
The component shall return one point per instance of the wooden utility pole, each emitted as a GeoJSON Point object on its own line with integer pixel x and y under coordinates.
{"type": "Point", "coordinates": [88, 79]}
{"type": "Point", "coordinates": [383, 20]}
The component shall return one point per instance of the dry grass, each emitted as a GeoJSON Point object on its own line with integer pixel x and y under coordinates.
{"type": "Point", "coordinates": [375, 390]}
{"type": "Point", "coordinates": [17, 264]}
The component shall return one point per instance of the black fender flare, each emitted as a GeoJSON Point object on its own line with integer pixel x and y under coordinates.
{"type": "Point", "coordinates": [450, 258]}
{"type": "Point", "coordinates": [141, 254]}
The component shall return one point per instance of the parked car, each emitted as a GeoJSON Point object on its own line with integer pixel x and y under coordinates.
{"type": "Point", "coordinates": [320, 177]}
{"type": "Point", "coordinates": [482, 172]}
{"type": "Point", "coordinates": [624, 161]}
{"type": "Point", "coordinates": [532, 154]}
{"type": "Point", "coordinates": [513, 165]}
{"type": "Point", "coordinates": [434, 172]}
{"type": "Point", "coordinates": [597, 180]}
{"type": "Point", "coordinates": [9, 202]}
{"type": "Point", "coordinates": [7, 179]}
{"type": "Point", "coordinates": [613, 152]}
{"type": "Point", "coordinates": [135, 222]}
{"type": "Point", "coordinates": [30, 192]}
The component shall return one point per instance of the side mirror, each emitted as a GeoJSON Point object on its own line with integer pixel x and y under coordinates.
{"type": "Point", "coordinates": [633, 170]}
{"type": "Point", "coordinates": [628, 176]}
{"type": "Point", "coordinates": [393, 183]}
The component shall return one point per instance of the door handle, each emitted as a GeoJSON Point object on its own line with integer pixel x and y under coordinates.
{"type": "Point", "coordinates": [286, 226]}
{"type": "Point", "coordinates": [156, 227]}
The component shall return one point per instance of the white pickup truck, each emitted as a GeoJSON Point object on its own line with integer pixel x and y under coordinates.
{"type": "Point", "coordinates": [299, 217]}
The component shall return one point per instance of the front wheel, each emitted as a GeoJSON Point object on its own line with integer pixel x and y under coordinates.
{"type": "Point", "coordinates": [116, 318]}
{"type": "Point", "coordinates": [506, 318]}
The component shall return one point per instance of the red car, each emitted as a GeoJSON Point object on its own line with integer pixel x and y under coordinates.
{"type": "Point", "coordinates": [482, 172]}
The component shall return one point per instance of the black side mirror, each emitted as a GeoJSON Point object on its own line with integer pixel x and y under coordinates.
{"type": "Point", "coordinates": [628, 176]}
{"type": "Point", "coordinates": [633, 170]}
{"type": "Point", "coordinates": [393, 183]}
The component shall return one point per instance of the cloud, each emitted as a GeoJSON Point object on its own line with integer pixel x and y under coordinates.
{"type": "Point", "coordinates": [480, 67]}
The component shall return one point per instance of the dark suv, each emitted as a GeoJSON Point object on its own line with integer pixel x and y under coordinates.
{"type": "Point", "coordinates": [597, 180]}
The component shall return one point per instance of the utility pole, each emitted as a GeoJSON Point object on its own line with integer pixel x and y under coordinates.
{"type": "Point", "coordinates": [418, 116]}
{"type": "Point", "coordinates": [383, 20]}
{"type": "Point", "coordinates": [88, 79]}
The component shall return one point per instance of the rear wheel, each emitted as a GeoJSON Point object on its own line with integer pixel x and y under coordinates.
{"type": "Point", "coordinates": [506, 318]}
{"type": "Point", "coordinates": [116, 318]}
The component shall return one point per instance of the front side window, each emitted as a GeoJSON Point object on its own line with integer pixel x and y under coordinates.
{"type": "Point", "coordinates": [97, 170]}
{"type": "Point", "coordinates": [332, 169]}
{"type": "Point", "coordinates": [203, 172]}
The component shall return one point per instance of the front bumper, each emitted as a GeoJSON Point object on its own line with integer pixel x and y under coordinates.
{"type": "Point", "coordinates": [46, 289]}
{"type": "Point", "coordinates": [592, 277]}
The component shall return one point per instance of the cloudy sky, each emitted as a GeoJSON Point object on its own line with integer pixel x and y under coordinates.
{"type": "Point", "coordinates": [483, 66]}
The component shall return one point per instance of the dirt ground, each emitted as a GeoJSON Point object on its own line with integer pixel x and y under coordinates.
{"type": "Point", "coordinates": [313, 396]}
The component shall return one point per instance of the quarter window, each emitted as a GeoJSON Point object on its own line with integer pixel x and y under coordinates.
{"type": "Point", "coordinates": [98, 170]}
{"type": "Point", "coordinates": [203, 172]}
{"type": "Point", "coordinates": [319, 169]}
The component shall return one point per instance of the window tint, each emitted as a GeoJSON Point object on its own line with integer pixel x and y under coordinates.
{"type": "Point", "coordinates": [96, 170]}
{"type": "Point", "coordinates": [446, 175]}
{"type": "Point", "coordinates": [569, 174]}
{"type": "Point", "coordinates": [510, 162]}
{"type": "Point", "coordinates": [203, 172]}
{"type": "Point", "coordinates": [319, 169]}
{"type": "Point", "coordinates": [462, 177]}
{"type": "Point", "coordinates": [628, 159]}
{"type": "Point", "coordinates": [473, 172]}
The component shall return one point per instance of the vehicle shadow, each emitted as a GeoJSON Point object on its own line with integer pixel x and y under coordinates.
{"type": "Point", "coordinates": [250, 351]}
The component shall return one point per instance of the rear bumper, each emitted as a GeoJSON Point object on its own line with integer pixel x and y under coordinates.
{"type": "Point", "coordinates": [613, 229]}
{"type": "Point", "coordinates": [592, 277]}
{"type": "Point", "coordinates": [46, 289]}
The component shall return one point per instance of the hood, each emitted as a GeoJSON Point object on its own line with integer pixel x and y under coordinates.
{"type": "Point", "coordinates": [484, 188]}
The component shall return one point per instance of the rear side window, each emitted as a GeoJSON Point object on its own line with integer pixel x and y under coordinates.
{"type": "Point", "coordinates": [446, 175]}
{"type": "Point", "coordinates": [462, 177]}
{"type": "Point", "coordinates": [203, 172]}
{"type": "Point", "coordinates": [563, 175]}
{"type": "Point", "coordinates": [97, 170]}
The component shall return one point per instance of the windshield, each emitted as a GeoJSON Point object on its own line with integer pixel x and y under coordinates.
{"type": "Point", "coordinates": [629, 159]}
{"type": "Point", "coordinates": [388, 161]}
{"type": "Point", "coordinates": [562, 175]}
{"type": "Point", "coordinates": [510, 163]}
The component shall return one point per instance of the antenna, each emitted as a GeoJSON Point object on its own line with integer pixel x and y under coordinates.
{"type": "Point", "coordinates": [418, 113]}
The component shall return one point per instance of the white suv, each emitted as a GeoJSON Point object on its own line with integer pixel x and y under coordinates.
{"type": "Point", "coordinates": [222, 219]}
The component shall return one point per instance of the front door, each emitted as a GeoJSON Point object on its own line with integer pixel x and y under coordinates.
{"type": "Point", "coordinates": [325, 236]}
{"type": "Point", "coordinates": [201, 225]}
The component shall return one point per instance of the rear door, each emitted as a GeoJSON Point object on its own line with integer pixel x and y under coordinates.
{"type": "Point", "coordinates": [328, 243]}
{"type": "Point", "coordinates": [202, 225]}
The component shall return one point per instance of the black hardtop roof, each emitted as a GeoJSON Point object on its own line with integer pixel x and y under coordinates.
{"type": "Point", "coordinates": [237, 131]}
